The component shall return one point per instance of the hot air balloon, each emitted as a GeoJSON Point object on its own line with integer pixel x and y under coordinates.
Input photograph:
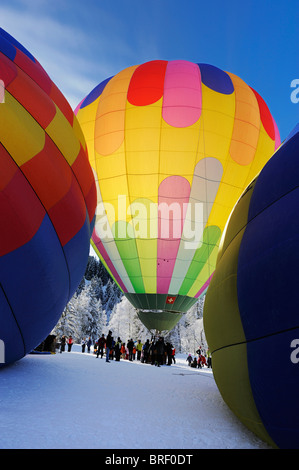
{"type": "Point", "coordinates": [47, 202]}
{"type": "Point", "coordinates": [251, 307]}
{"type": "Point", "coordinates": [172, 145]}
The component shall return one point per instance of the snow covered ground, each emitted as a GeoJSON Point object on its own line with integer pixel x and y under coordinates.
{"type": "Point", "coordinates": [74, 400]}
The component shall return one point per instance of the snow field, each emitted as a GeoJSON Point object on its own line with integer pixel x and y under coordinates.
{"type": "Point", "coordinates": [77, 401]}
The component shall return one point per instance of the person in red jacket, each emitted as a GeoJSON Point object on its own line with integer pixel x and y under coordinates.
{"type": "Point", "coordinates": [173, 355]}
{"type": "Point", "coordinates": [70, 343]}
{"type": "Point", "coordinates": [201, 361]}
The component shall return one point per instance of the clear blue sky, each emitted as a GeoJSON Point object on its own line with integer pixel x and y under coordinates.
{"type": "Point", "coordinates": [82, 42]}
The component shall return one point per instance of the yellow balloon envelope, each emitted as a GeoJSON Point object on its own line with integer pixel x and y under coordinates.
{"type": "Point", "coordinates": [172, 144]}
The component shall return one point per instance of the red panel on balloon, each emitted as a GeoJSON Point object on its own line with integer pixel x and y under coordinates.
{"type": "Point", "coordinates": [147, 83]}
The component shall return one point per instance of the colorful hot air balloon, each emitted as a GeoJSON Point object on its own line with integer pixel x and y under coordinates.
{"type": "Point", "coordinates": [47, 202]}
{"type": "Point", "coordinates": [172, 145]}
{"type": "Point", "coordinates": [251, 307]}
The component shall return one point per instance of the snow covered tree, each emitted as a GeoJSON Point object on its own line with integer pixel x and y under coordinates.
{"type": "Point", "coordinates": [98, 305]}
{"type": "Point", "coordinates": [70, 320]}
{"type": "Point", "coordinates": [125, 323]}
{"type": "Point", "coordinates": [83, 315]}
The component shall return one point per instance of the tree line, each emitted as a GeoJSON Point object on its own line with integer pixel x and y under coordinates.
{"type": "Point", "coordinates": [99, 306]}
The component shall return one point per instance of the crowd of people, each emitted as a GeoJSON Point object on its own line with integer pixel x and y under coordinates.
{"type": "Point", "coordinates": [200, 359]}
{"type": "Point", "coordinates": [155, 351]}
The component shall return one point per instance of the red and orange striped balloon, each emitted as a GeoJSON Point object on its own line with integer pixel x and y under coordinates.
{"type": "Point", "coordinates": [47, 201]}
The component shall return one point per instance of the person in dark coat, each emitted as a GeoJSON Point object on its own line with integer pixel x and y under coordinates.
{"type": "Point", "coordinates": [130, 346]}
{"type": "Point", "coordinates": [62, 344]}
{"type": "Point", "coordinates": [145, 350]}
{"type": "Point", "coordinates": [189, 359]}
{"type": "Point", "coordinates": [108, 345]}
{"type": "Point", "coordinates": [101, 345]}
{"type": "Point", "coordinates": [152, 352]}
{"type": "Point", "coordinates": [117, 349]}
{"type": "Point", "coordinates": [169, 349]}
{"type": "Point", "coordinates": [160, 352]}
{"type": "Point", "coordinates": [194, 363]}
{"type": "Point", "coordinates": [89, 343]}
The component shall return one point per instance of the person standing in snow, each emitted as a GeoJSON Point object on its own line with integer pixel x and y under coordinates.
{"type": "Point", "coordinates": [108, 345]}
{"type": "Point", "coordinates": [139, 349]}
{"type": "Point", "coordinates": [117, 348]}
{"type": "Point", "coordinates": [160, 352]}
{"type": "Point", "coordinates": [123, 351]}
{"type": "Point", "coordinates": [145, 350]}
{"type": "Point", "coordinates": [173, 355]}
{"type": "Point", "coordinates": [101, 345]}
{"type": "Point", "coordinates": [70, 342]}
{"type": "Point", "coordinates": [89, 342]}
{"type": "Point", "coordinates": [189, 359]}
{"type": "Point", "coordinates": [130, 346]}
{"type": "Point", "coordinates": [209, 358]}
{"type": "Point", "coordinates": [62, 344]}
{"type": "Point", "coordinates": [202, 361]}
{"type": "Point", "coordinates": [169, 348]}
{"type": "Point", "coordinates": [194, 363]}
{"type": "Point", "coordinates": [83, 344]}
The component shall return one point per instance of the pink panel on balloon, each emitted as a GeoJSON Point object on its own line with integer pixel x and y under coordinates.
{"type": "Point", "coordinates": [182, 94]}
{"type": "Point", "coordinates": [105, 256]}
{"type": "Point", "coordinates": [173, 198]}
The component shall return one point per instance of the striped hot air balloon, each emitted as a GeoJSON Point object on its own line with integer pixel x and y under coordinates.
{"type": "Point", "coordinates": [172, 145]}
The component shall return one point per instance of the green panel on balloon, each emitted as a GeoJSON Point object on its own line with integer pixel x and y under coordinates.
{"type": "Point", "coordinates": [128, 253]}
{"type": "Point", "coordinates": [211, 237]}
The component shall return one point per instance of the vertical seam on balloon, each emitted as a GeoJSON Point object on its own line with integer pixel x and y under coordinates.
{"type": "Point", "coordinates": [20, 331]}
{"type": "Point", "coordinates": [158, 176]}
{"type": "Point", "coordinates": [125, 152]}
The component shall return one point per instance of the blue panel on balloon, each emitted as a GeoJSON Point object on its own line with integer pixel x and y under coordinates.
{"type": "Point", "coordinates": [258, 257]}
{"type": "Point", "coordinates": [41, 281]}
{"type": "Point", "coordinates": [76, 253]}
{"type": "Point", "coordinates": [276, 179]}
{"type": "Point", "coordinates": [274, 382]}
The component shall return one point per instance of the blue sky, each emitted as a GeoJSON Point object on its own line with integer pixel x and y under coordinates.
{"type": "Point", "coordinates": [80, 43]}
